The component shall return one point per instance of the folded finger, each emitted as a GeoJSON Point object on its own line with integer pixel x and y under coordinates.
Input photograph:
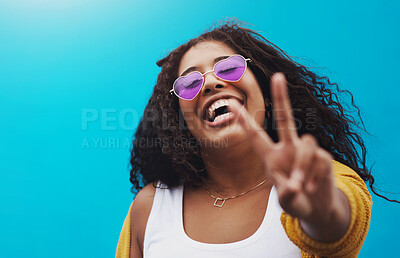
{"type": "Point", "coordinates": [321, 170]}
{"type": "Point", "coordinates": [305, 156]}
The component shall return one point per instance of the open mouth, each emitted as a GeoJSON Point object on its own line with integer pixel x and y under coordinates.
{"type": "Point", "coordinates": [218, 112]}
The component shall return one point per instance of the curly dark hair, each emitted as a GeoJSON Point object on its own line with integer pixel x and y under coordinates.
{"type": "Point", "coordinates": [164, 149]}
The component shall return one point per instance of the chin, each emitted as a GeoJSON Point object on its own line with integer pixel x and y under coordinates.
{"type": "Point", "coordinates": [228, 137]}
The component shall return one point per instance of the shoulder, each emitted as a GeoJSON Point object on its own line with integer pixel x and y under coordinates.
{"type": "Point", "coordinates": [347, 176]}
{"type": "Point", "coordinates": [143, 197]}
{"type": "Point", "coordinates": [139, 214]}
{"type": "Point", "coordinates": [349, 182]}
{"type": "Point", "coordinates": [342, 169]}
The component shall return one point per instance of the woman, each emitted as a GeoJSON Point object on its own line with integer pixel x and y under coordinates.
{"type": "Point", "coordinates": [245, 153]}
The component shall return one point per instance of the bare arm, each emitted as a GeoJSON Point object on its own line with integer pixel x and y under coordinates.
{"type": "Point", "coordinates": [139, 215]}
{"type": "Point", "coordinates": [333, 225]}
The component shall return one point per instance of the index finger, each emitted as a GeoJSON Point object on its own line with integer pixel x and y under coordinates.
{"type": "Point", "coordinates": [261, 141]}
{"type": "Point", "coordinates": [282, 109]}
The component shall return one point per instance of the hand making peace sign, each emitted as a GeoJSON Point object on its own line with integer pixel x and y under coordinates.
{"type": "Point", "coordinates": [301, 170]}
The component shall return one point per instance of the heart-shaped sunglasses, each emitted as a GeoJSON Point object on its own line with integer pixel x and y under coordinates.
{"type": "Point", "coordinates": [230, 69]}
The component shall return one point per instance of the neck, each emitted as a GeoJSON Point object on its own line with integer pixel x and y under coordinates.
{"type": "Point", "coordinates": [233, 170]}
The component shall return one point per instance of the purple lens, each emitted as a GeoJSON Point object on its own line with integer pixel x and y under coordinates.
{"type": "Point", "coordinates": [231, 69]}
{"type": "Point", "coordinates": [187, 87]}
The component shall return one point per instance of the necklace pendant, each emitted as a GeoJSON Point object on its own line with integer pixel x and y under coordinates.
{"type": "Point", "coordinates": [222, 201]}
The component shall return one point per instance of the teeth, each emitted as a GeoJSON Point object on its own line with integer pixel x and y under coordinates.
{"type": "Point", "coordinates": [222, 116]}
{"type": "Point", "coordinates": [215, 105]}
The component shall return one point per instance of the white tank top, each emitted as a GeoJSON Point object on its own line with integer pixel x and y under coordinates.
{"type": "Point", "coordinates": [165, 235]}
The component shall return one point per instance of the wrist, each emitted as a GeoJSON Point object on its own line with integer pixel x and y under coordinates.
{"type": "Point", "coordinates": [333, 223]}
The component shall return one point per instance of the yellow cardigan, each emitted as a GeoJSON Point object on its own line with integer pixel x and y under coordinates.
{"type": "Point", "coordinates": [348, 246]}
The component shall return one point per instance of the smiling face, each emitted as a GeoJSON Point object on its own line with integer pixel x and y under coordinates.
{"type": "Point", "coordinates": [207, 115]}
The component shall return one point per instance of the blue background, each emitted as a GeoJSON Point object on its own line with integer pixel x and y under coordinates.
{"type": "Point", "coordinates": [75, 76]}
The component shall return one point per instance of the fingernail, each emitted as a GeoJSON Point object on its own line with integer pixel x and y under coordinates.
{"type": "Point", "coordinates": [298, 173]}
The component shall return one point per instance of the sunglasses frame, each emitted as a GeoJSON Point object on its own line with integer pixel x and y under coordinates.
{"type": "Point", "coordinates": [213, 70]}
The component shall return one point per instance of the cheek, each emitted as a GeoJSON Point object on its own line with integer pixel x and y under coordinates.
{"type": "Point", "coordinates": [186, 109]}
{"type": "Point", "coordinates": [189, 116]}
{"type": "Point", "coordinates": [252, 89]}
{"type": "Point", "coordinates": [251, 83]}
{"type": "Point", "coordinates": [255, 99]}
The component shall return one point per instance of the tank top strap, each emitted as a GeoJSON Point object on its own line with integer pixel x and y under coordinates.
{"type": "Point", "coordinates": [163, 221]}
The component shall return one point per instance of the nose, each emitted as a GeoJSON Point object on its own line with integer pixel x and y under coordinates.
{"type": "Point", "coordinates": [212, 83]}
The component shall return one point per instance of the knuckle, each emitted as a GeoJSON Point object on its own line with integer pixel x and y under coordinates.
{"type": "Point", "coordinates": [323, 167]}
{"type": "Point", "coordinates": [310, 139]}
{"type": "Point", "coordinates": [323, 154]}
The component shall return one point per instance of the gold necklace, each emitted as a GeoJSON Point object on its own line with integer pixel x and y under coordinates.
{"type": "Point", "coordinates": [217, 199]}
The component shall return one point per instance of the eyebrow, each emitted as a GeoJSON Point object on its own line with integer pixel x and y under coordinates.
{"type": "Point", "coordinates": [195, 68]}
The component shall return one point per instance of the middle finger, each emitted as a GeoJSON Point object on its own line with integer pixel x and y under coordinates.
{"type": "Point", "coordinates": [283, 111]}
